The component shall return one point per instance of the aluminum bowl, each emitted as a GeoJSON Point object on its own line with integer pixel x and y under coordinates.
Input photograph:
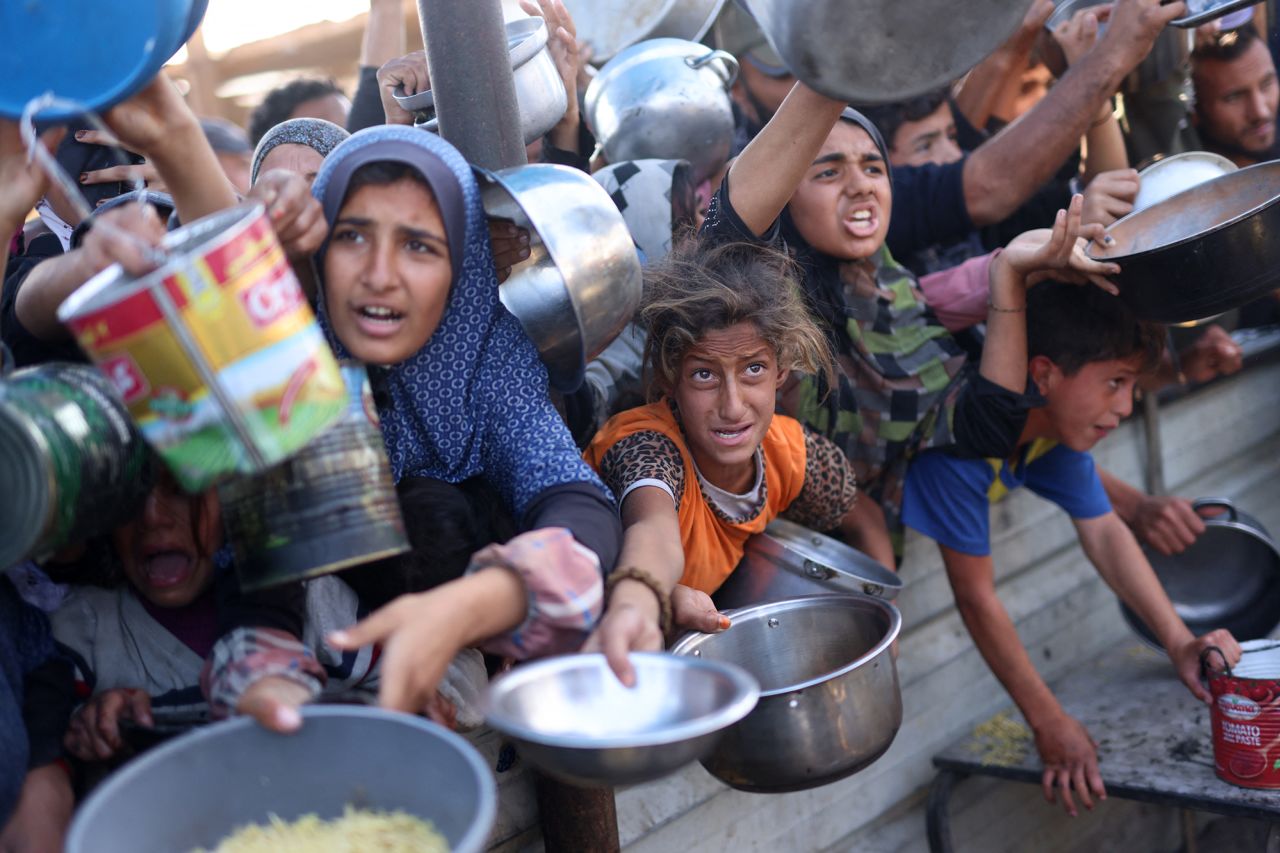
{"type": "Point", "coordinates": [1169, 176]}
{"type": "Point", "coordinates": [573, 719]}
{"type": "Point", "coordinates": [829, 701]}
{"type": "Point", "coordinates": [196, 790]}
{"type": "Point", "coordinates": [609, 26]}
{"type": "Point", "coordinates": [581, 283]}
{"type": "Point", "coordinates": [1204, 251]}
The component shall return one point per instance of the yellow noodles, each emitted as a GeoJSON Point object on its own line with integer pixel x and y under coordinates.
{"type": "Point", "coordinates": [357, 831]}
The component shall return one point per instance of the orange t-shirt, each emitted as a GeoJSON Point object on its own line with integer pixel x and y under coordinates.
{"type": "Point", "coordinates": [713, 544]}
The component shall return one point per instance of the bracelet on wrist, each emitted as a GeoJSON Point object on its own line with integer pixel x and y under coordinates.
{"type": "Point", "coordinates": [639, 575]}
{"type": "Point", "coordinates": [996, 308]}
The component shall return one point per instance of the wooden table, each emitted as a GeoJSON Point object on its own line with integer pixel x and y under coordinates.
{"type": "Point", "coordinates": [1154, 745]}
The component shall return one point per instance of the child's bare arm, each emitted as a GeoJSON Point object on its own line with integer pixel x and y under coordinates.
{"type": "Point", "coordinates": [765, 175]}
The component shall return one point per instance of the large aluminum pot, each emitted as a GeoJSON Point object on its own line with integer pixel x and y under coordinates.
{"type": "Point", "coordinates": [665, 99]}
{"type": "Point", "coordinates": [1229, 578]}
{"type": "Point", "coordinates": [609, 26]}
{"type": "Point", "coordinates": [540, 91]}
{"type": "Point", "coordinates": [243, 774]}
{"type": "Point", "coordinates": [829, 698]}
{"type": "Point", "coordinates": [881, 51]}
{"type": "Point", "coordinates": [1201, 252]}
{"type": "Point", "coordinates": [581, 283]}
{"type": "Point", "coordinates": [788, 560]}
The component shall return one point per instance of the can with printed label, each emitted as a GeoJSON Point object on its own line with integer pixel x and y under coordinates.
{"type": "Point", "coordinates": [216, 353]}
{"type": "Point", "coordinates": [72, 463]}
{"type": "Point", "coordinates": [332, 506]}
{"type": "Point", "coordinates": [1246, 716]}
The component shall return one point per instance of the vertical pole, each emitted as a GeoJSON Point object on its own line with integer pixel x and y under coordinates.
{"type": "Point", "coordinates": [470, 70]}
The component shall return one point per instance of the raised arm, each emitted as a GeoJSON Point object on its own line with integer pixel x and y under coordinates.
{"type": "Point", "coordinates": [1041, 140]}
{"type": "Point", "coordinates": [765, 175]}
{"type": "Point", "coordinates": [980, 90]}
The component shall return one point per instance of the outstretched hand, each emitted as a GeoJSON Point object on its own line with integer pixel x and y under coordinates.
{"type": "Point", "coordinates": [1070, 759]}
{"type": "Point", "coordinates": [22, 179]}
{"type": "Point", "coordinates": [1058, 253]}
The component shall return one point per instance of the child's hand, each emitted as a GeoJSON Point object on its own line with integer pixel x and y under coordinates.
{"type": "Point", "coordinates": [694, 610]}
{"type": "Point", "coordinates": [274, 702]}
{"type": "Point", "coordinates": [296, 215]}
{"type": "Point", "coordinates": [1070, 759]}
{"type": "Point", "coordinates": [510, 245]}
{"type": "Point", "coordinates": [94, 733]}
{"type": "Point", "coordinates": [630, 624]}
{"type": "Point", "coordinates": [1059, 253]}
{"type": "Point", "coordinates": [23, 180]}
{"type": "Point", "coordinates": [1186, 659]}
{"type": "Point", "coordinates": [420, 634]}
{"type": "Point", "coordinates": [1110, 196]}
{"type": "Point", "coordinates": [124, 235]}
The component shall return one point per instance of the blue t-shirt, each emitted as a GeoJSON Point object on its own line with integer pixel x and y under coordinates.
{"type": "Point", "coordinates": [948, 498]}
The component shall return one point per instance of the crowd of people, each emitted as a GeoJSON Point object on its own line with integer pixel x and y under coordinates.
{"type": "Point", "coordinates": [873, 318]}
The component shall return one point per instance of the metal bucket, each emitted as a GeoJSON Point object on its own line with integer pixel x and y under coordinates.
{"type": "Point", "coordinates": [788, 560]}
{"type": "Point", "coordinates": [1246, 716]}
{"type": "Point", "coordinates": [72, 464]}
{"type": "Point", "coordinates": [216, 353]}
{"type": "Point", "coordinates": [332, 506]}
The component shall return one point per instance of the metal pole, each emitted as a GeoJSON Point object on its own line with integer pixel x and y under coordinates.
{"type": "Point", "coordinates": [470, 70]}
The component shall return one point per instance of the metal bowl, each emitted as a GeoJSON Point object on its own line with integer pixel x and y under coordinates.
{"type": "Point", "coordinates": [788, 560]}
{"type": "Point", "coordinates": [196, 790]}
{"type": "Point", "coordinates": [609, 26]}
{"type": "Point", "coordinates": [1169, 176]}
{"type": "Point", "coordinates": [829, 703]}
{"type": "Point", "coordinates": [573, 719]}
{"type": "Point", "coordinates": [1228, 578]}
{"type": "Point", "coordinates": [1201, 252]}
{"type": "Point", "coordinates": [581, 283]}
{"type": "Point", "coordinates": [881, 51]}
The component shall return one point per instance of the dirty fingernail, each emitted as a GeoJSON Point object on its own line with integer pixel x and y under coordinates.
{"type": "Point", "coordinates": [84, 176]}
{"type": "Point", "coordinates": [81, 134]}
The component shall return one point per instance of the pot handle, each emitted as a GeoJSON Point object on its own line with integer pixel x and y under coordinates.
{"type": "Point", "coordinates": [1205, 672]}
{"type": "Point", "coordinates": [727, 74]}
{"type": "Point", "coordinates": [1223, 503]}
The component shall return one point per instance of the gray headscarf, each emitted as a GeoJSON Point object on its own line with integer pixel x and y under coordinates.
{"type": "Point", "coordinates": [317, 134]}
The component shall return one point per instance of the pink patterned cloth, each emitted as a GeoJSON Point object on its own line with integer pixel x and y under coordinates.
{"type": "Point", "coordinates": [246, 655]}
{"type": "Point", "coordinates": [566, 592]}
{"type": "Point", "coordinates": [959, 295]}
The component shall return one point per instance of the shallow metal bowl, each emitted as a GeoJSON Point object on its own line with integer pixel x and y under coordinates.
{"type": "Point", "coordinates": [1169, 176]}
{"type": "Point", "coordinates": [573, 719]}
{"type": "Point", "coordinates": [581, 283]}
{"type": "Point", "coordinates": [1206, 250]}
{"type": "Point", "coordinates": [829, 703]}
{"type": "Point", "coordinates": [196, 790]}
{"type": "Point", "coordinates": [609, 26]}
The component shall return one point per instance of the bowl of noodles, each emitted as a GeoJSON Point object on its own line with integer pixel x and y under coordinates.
{"type": "Point", "coordinates": [353, 778]}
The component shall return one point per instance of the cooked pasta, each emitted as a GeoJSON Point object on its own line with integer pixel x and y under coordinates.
{"type": "Point", "coordinates": [357, 831]}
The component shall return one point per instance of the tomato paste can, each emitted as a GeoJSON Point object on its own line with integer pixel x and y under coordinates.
{"type": "Point", "coordinates": [72, 463]}
{"type": "Point", "coordinates": [330, 507]}
{"type": "Point", "coordinates": [1246, 717]}
{"type": "Point", "coordinates": [216, 353]}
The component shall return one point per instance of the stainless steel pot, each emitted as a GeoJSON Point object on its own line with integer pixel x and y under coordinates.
{"type": "Point", "coordinates": [540, 90]}
{"type": "Point", "coordinates": [665, 99]}
{"type": "Point", "coordinates": [1229, 578]}
{"type": "Point", "coordinates": [1204, 251]}
{"type": "Point", "coordinates": [610, 26]}
{"type": "Point", "coordinates": [829, 701]}
{"type": "Point", "coordinates": [581, 282]}
{"type": "Point", "coordinates": [788, 560]}
{"type": "Point", "coordinates": [881, 51]}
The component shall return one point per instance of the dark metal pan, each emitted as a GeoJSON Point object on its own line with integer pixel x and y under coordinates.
{"type": "Point", "coordinates": [1204, 251]}
{"type": "Point", "coordinates": [1230, 577]}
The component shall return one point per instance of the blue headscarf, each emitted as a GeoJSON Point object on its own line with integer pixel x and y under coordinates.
{"type": "Point", "coordinates": [474, 399]}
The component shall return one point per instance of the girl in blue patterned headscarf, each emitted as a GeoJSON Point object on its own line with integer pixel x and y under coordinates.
{"type": "Point", "coordinates": [408, 264]}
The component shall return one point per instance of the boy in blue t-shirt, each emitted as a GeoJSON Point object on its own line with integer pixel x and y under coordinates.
{"type": "Point", "coordinates": [1086, 352]}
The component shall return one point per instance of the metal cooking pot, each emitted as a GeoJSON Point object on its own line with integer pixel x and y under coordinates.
{"type": "Point", "coordinates": [540, 90]}
{"type": "Point", "coordinates": [581, 282]}
{"type": "Point", "coordinates": [199, 788]}
{"type": "Point", "coordinates": [788, 560]}
{"type": "Point", "coordinates": [881, 51]}
{"type": "Point", "coordinates": [609, 26]}
{"type": "Point", "coordinates": [665, 99]}
{"type": "Point", "coordinates": [1204, 251]}
{"type": "Point", "coordinates": [829, 698]}
{"type": "Point", "coordinates": [1229, 578]}
{"type": "Point", "coordinates": [1170, 53]}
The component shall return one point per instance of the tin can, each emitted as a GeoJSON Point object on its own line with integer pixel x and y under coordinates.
{"type": "Point", "coordinates": [72, 463]}
{"type": "Point", "coordinates": [332, 506]}
{"type": "Point", "coordinates": [217, 354]}
{"type": "Point", "coordinates": [1246, 717]}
